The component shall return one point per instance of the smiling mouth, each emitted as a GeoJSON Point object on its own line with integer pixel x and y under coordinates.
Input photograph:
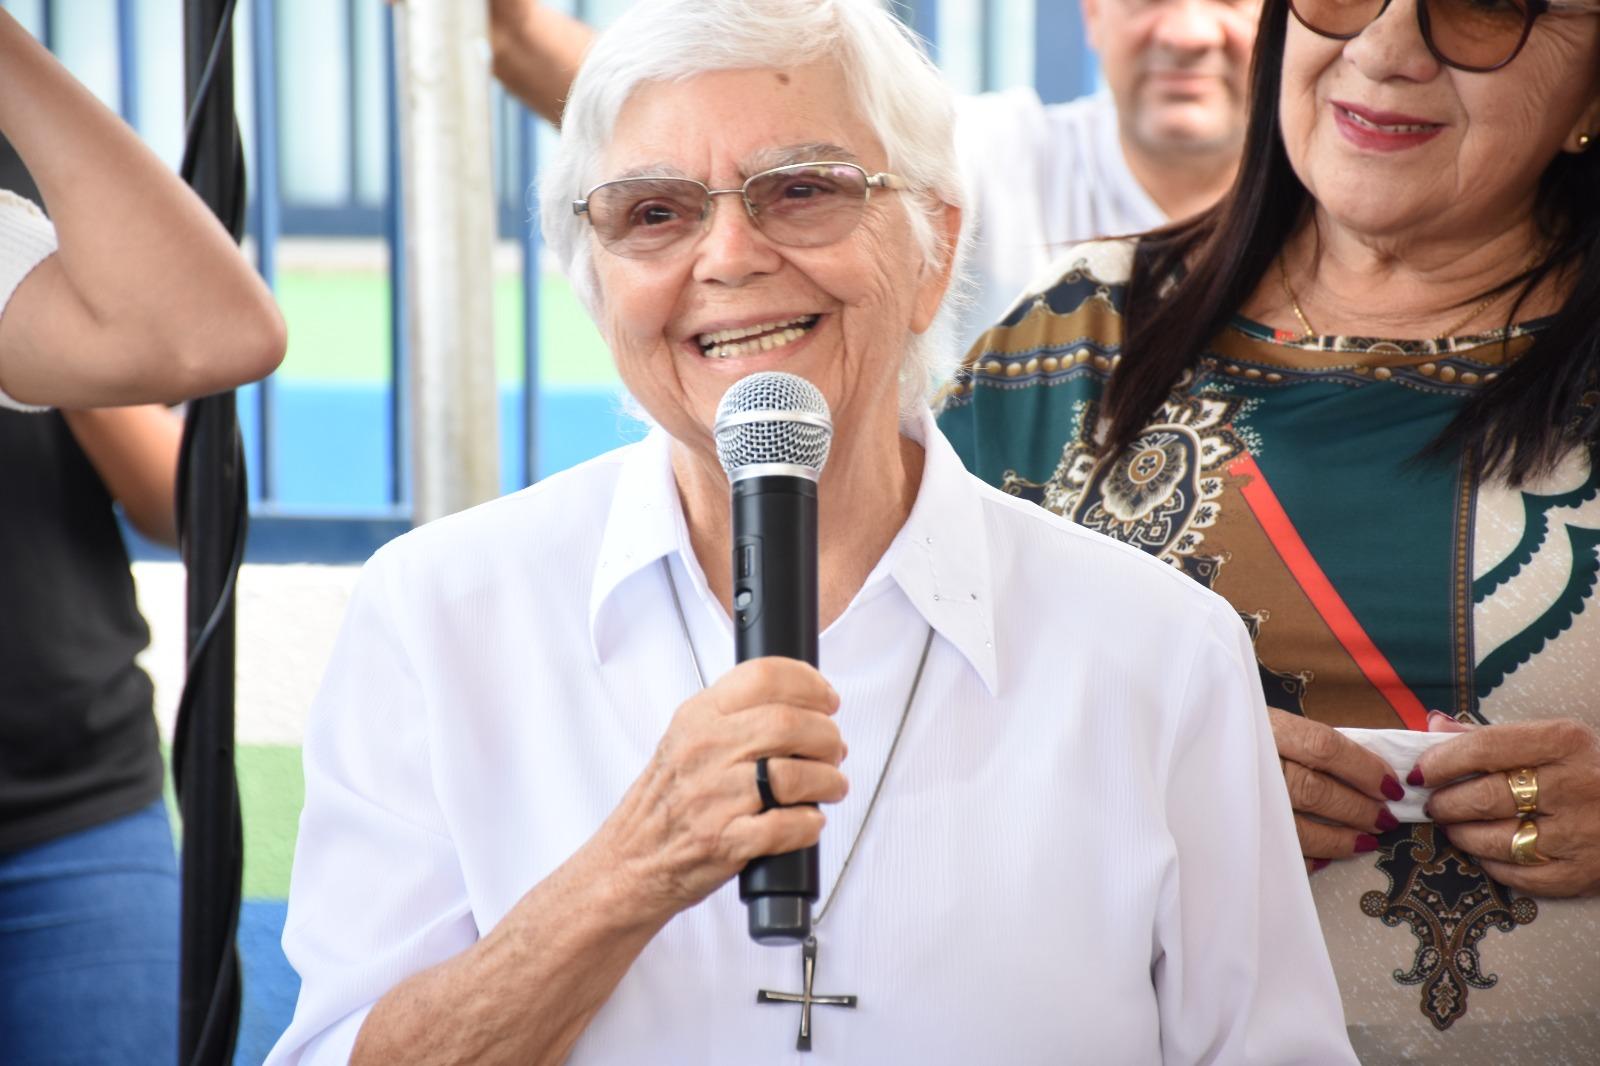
{"type": "Point", "coordinates": [748, 340]}
{"type": "Point", "coordinates": [1366, 123]}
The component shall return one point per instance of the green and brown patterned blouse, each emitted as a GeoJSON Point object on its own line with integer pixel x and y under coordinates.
{"type": "Point", "coordinates": [1283, 475]}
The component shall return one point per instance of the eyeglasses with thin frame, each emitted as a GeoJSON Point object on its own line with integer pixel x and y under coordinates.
{"type": "Point", "coordinates": [802, 205]}
{"type": "Point", "coordinates": [1476, 36]}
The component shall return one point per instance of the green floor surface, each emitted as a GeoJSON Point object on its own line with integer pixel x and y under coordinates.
{"type": "Point", "coordinates": [271, 792]}
{"type": "Point", "coordinates": [339, 330]}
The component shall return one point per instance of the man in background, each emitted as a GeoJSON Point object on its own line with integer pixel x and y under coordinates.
{"type": "Point", "coordinates": [1160, 143]}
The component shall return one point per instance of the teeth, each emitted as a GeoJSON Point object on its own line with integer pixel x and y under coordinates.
{"type": "Point", "coordinates": [722, 336]}
{"type": "Point", "coordinates": [764, 343]}
{"type": "Point", "coordinates": [730, 343]}
{"type": "Point", "coordinates": [1359, 121]}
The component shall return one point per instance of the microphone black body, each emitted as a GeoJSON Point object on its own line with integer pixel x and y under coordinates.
{"type": "Point", "coordinates": [775, 613]}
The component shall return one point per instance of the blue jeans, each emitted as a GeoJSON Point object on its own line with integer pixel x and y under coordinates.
{"type": "Point", "coordinates": [89, 947]}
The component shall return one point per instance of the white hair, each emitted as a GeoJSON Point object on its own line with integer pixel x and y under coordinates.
{"type": "Point", "coordinates": [901, 96]}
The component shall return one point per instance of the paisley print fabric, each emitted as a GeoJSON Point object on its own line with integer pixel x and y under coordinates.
{"type": "Point", "coordinates": [1283, 473]}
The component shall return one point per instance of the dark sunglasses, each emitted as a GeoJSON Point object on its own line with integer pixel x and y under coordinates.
{"type": "Point", "coordinates": [1472, 35]}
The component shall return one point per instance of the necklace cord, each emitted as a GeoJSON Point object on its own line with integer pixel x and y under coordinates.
{"type": "Point", "coordinates": [894, 744]}
{"type": "Point", "coordinates": [683, 620]}
{"type": "Point", "coordinates": [872, 804]}
{"type": "Point", "coordinates": [1294, 304]}
{"type": "Point", "coordinates": [1450, 331]}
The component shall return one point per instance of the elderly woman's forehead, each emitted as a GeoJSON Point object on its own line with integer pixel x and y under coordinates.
{"type": "Point", "coordinates": [751, 118]}
{"type": "Point", "coordinates": [778, 155]}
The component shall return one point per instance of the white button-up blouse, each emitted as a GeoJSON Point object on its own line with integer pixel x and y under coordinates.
{"type": "Point", "coordinates": [1082, 852]}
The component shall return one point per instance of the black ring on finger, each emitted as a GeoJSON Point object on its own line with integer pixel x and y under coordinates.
{"type": "Point", "coordinates": [764, 786]}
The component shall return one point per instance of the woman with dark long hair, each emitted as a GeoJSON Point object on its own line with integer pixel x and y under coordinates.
{"type": "Point", "coordinates": [1359, 399]}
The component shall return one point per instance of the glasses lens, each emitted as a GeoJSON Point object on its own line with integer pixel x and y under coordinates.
{"type": "Point", "coordinates": [808, 205]}
{"type": "Point", "coordinates": [1336, 18]}
{"type": "Point", "coordinates": [1477, 34]}
{"type": "Point", "coordinates": [641, 217]}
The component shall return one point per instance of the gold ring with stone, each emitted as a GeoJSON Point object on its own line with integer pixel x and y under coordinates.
{"type": "Point", "coordinates": [1525, 845]}
{"type": "Point", "coordinates": [1525, 790]}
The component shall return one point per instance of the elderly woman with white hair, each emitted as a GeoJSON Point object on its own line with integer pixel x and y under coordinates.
{"type": "Point", "coordinates": [523, 809]}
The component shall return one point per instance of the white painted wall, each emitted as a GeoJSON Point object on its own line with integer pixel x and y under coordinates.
{"type": "Point", "coordinates": [287, 619]}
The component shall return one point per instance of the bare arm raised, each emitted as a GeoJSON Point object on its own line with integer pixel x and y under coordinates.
{"type": "Point", "coordinates": [146, 298]}
{"type": "Point", "coordinates": [536, 52]}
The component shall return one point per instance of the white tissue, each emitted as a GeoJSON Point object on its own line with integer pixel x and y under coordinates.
{"type": "Point", "coordinates": [1400, 748]}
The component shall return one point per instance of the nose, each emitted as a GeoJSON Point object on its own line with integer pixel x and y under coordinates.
{"type": "Point", "coordinates": [732, 251]}
{"type": "Point", "coordinates": [1392, 46]}
{"type": "Point", "coordinates": [1190, 27]}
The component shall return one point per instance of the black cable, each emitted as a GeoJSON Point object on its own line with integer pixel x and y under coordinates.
{"type": "Point", "coordinates": [223, 1010]}
{"type": "Point", "coordinates": [208, 73]}
{"type": "Point", "coordinates": [194, 129]}
{"type": "Point", "coordinates": [219, 1027]}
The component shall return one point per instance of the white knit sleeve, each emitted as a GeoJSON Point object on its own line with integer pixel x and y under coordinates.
{"type": "Point", "coordinates": [26, 237]}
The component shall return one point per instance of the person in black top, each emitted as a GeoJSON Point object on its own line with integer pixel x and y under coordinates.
{"type": "Point", "coordinates": [88, 878]}
{"type": "Point", "coordinates": [131, 293]}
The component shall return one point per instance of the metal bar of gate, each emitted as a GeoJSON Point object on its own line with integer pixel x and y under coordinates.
{"type": "Point", "coordinates": [528, 135]}
{"type": "Point", "coordinates": [443, 80]}
{"type": "Point", "coordinates": [399, 306]}
{"type": "Point", "coordinates": [1063, 64]}
{"type": "Point", "coordinates": [925, 20]}
{"type": "Point", "coordinates": [266, 210]}
{"type": "Point", "coordinates": [127, 65]}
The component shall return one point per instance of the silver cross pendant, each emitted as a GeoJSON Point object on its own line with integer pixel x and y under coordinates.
{"type": "Point", "coordinates": [808, 961]}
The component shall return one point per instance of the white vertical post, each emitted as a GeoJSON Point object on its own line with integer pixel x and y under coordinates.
{"type": "Point", "coordinates": [442, 63]}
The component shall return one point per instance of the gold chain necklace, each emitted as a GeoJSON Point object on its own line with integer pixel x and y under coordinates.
{"type": "Point", "coordinates": [1305, 323]}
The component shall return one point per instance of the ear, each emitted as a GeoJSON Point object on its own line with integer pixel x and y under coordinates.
{"type": "Point", "coordinates": [933, 282]}
{"type": "Point", "coordinates": [1587, 126]}
{"type": "Point", "coordinates": [1091, 22]}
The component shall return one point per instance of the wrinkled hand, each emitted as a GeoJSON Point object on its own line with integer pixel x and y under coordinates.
{"type": "Point", "coordinates": [1336, 788]}
{"type": "Point", "coordinates": [693, 818]}
{"type": "Point", "coordinates": [1479, 815]}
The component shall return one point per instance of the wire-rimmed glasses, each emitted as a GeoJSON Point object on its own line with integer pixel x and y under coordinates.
{"type": "Point", "coordinates": [1471, 35]}
{"type": "Point", "coordinates": [803, 205]}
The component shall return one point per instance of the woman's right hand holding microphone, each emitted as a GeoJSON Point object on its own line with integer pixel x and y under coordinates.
{"type": "Point", "coordinates": [694, 816]}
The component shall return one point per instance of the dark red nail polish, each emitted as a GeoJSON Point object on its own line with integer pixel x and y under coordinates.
{"type": "Point", "coordinates": [1391, 788]}
{"type": "Point", "coordinates": [1366, 842]}
{"type": "Point", "coordinates": [1414, 778]}
{"type": "Point", "coordinates": [1320, 864]}
{"type": "Point", "coordinates": [1387, 821]}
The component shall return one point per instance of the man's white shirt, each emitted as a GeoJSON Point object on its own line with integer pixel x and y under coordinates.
{"type": "Point", "coordinates": [1040, 178]}
{"type": "Point", "coordinates": [1082, 851]}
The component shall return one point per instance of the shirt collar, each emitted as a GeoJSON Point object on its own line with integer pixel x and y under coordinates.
{"type": "Point", "coordinates": [644, 524]}
{"type": "Point", "coordinates": [940, 558]}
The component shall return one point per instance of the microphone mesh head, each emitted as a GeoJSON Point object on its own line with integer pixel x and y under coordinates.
{"type": "Point", "coordinates": [772, 417]}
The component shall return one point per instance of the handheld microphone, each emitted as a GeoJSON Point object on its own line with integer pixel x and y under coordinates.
{"type": "Point", "coordinates": [773, 431]}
